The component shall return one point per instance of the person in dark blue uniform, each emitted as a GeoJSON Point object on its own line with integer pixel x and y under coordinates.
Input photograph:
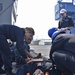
{"type": "Point", "coordinates": [62, 52]}
{"type": "Point", "coordinates": [32, 68]}
{"type": "Point", "coordinates": [65, 21]}
{"type": "Point", "coordinates": [15, 34]}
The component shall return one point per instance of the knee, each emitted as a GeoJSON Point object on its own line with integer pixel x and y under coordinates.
{"type": "Point", "coordinates": [55, 56]}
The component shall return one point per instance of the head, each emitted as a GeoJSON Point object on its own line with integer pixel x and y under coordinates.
{"type": "Point", "coordinates": [38, 72]}
{"type": "Point", "coordinates": [63, 12]}
{"type": "Point", "coordinates": [51, 31]}
{"type": "Point", "coordinates": [29, 33]}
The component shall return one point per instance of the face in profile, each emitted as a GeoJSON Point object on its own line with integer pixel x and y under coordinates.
{"type": "Point", "coordinates": [28, 37]}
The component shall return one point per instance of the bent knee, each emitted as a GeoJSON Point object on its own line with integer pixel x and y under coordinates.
{"type": "Point", "coordinates": [59, 55]}
{"type": "Point", "coordinates": [55, 56]}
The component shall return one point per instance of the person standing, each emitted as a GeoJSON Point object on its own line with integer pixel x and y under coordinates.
{"type": "Point", "coordinates": [65, 21]}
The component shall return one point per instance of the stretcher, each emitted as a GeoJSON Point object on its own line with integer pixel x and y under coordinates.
{"type": "Point", "coordinates": [43, 67]}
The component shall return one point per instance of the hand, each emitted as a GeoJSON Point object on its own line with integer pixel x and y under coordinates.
{"type": "Point", "coordinates": [27, 59]}
{"type": "Point", "coordinates": [64, 29]}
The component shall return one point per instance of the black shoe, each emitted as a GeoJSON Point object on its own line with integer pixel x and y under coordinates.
{"type": "Point", "coordinates": [2, 71]}
{"type": "Point", "coordinates": [39, 56]}
{"type": "Point", "coordinates": [10, 73]}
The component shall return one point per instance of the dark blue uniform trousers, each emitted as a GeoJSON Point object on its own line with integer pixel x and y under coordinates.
{"type": "Point", "coordinates": [5, 57]}
{"type": "Point", "coordinates": [65, 61]}
{"type": "Point", "coordinates": [1, 61]}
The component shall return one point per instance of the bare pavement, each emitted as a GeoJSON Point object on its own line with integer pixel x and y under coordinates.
{"type": "Point", "coordinates": [35, 49]}
{"type": "Point", "coordinates": [43, 49]}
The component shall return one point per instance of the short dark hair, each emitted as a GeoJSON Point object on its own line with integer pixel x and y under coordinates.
{"type": "Point", "coordinates": [30, 30]}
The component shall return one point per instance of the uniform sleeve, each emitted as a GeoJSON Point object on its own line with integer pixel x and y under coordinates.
{"type": "Point", "coordinates": [21, 48]}
{"type": "Point", "coordinates": [20, 44]}
{"type": "Point", "coordinates": [59, 25]}
{"type": "Point", "coordinates": [71, 23]}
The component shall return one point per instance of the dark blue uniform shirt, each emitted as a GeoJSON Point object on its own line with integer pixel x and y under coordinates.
{"type": "Point", "coordinates": [15, 34]}
{"type": "Point", "coordinates": [66, 22]}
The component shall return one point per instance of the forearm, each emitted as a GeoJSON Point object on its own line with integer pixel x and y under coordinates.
{"type": "Point", "coordinates": [29, 54]}
{"type": "Point", "coordinates": [69, 27]}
